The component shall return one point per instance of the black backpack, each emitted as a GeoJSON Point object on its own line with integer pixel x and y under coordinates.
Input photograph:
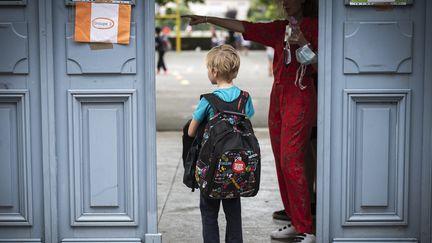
{"type": "Point", "coordinates": [229, 162]}
{"type": "Point", "coordinates": [191, 149]}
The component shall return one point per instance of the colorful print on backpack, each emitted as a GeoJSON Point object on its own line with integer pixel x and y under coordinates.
{"type": "Point", "coordinates": [235, 175]}
{"type": "Point", "coordinates": [229, 160]}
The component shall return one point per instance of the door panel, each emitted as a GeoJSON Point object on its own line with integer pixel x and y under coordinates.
{"type": "Point", "coordinates": [103, 162]}
{"type": "Point", "coordinates": [21, 208]}
{"type": "Point", "coordinates": [83, 58]}
{"type": "Point", "coordinates": [77, 149]}
{"type": "Point", "coordinates": [15, 170]}
{"type": "Point", "coordinates": [96, 92]}
{"type": "Point", "coordinates": [371, 112]}
{"type": "Point", "coordinates": [374, 188]}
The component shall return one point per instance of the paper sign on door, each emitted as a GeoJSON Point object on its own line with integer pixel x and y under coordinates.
{"type": "Point", "coordinates": [102, 22]}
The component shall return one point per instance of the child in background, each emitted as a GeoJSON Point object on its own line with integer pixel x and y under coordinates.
{"type": "Point", "coordinates": [161, 48]}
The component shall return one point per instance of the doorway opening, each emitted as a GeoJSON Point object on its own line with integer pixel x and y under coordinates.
{"type": "Point", "coordinates": [178, 91]}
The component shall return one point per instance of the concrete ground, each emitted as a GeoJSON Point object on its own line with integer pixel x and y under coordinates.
{"type": "Point", "coordinates": [178, 207]}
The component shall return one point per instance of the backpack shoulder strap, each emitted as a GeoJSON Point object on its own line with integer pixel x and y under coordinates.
{"type": "Point", "coordinates": [216, 103]}
{"type": "Point", "coordinates": [242, 100]}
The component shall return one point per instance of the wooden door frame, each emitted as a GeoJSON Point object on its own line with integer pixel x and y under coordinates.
{"type": "Point", "coordinates": [426, 220]}
{"type": "Point", "coordinates": [324, 120]}
{"type": "Point", "coordinates": [149, 81]}
{"type": "Point", "coordinates": [49, 162]}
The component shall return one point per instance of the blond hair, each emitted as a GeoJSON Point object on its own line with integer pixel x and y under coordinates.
{"type": "Point", "coordinates": [225, 60]}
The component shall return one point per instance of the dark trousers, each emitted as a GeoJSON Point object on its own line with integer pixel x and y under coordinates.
{"type": "Point", "coordinates": [209, 216]}
{"type": "Point", "coordinates": [161, 61]}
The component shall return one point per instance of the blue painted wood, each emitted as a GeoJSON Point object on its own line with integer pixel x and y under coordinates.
{"type": "Point", "coordinates": [22, 240]}
{"type": "Point", "coordinates": [349, 2]}
{"type": "Point", "coordinates": [325, 84]}
{"type": "Point", "coordinates": [16, 2]}
{"type": "Point", "coordinates": [81, 59]}
{"type": "Point", "coordinates": [8, 151]}
{"type": "Point", "coordinates": [426, 192]}
{"type": "Point", "coordinates": [102, 240]}
{"type": "Point", "coordinates": [149, 128]}
{"type": "Point", "coordinates": [14, 48]}
{"type": "Point", "coordinates": [104, 155]}
{"type": "Point", "coordinates": [102, 133]}
{"type": "Point", "coordinates": [45, 39]}
{"type": "Point", "coordinates": [368, 49]}
{"type": "Point", "coordinates": [376, 240]}
{"type": "Point", "coordinates": [99, 85]}
{"type": "Point", "coordinates": [374, 155]}
{"type": "Point", "coordinates": [347, 219]}
{"type": "Point", "coordinates": [16, 209]}
{"type": "Point", "coordinates": [72, 2]}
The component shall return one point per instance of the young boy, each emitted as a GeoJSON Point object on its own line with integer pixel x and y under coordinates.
{"type": "Point", "coordinates": [223, 63]}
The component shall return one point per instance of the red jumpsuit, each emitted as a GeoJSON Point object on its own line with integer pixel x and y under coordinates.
{"type": "Point", "coordinates": [291, 116]}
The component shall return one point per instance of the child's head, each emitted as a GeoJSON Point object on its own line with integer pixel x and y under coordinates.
{"type": "Point", "coordinates": [224, 61]}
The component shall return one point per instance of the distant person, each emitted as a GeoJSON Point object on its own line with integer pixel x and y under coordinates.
{"type": "Point", "coordinates": [189, 30]}
{"type": "Point", "coordinates": [223, 63]}
{"type": "Point", "coordinates": [161, 48]}
{"type": "Point", "coordinates": [237, 41]}
{"type": "Point", "coordinates": [215, 41]}
{"type": "Point", "coordinates": [292, 111]}
{"type": "Point", "coordinates": [245, 46]}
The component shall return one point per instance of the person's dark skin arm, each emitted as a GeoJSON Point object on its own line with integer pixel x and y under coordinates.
{"type": "Point", "coordinates": [237, 26]}
{"type": "Point", "coordinates": [229, 24]}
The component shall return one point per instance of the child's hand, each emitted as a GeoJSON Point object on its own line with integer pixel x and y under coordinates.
{"type": "Point", "coordinates": [195, 19]}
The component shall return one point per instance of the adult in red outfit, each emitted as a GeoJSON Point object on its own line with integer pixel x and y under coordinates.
{"type": "Point", "coordinates": [292, 104]}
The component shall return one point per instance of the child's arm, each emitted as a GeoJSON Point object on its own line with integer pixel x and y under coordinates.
{"type": "Point", "coordinates": [250, 111]}
{"type": "Point", "coordinates": [193, 128]}
{"type": "Point", "coordinates": [199, 115]}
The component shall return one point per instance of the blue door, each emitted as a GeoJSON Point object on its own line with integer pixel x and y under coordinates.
{"type": "Point", "coordinates": [77, 133]}
{"type": "Point", "coordinates": [21, 206]}
{"type": "Point", "coordinates": [374, 123]}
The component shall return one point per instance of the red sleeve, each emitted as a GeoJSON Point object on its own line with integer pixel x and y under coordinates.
{"type": "Point", "coordinates": [263, 33]}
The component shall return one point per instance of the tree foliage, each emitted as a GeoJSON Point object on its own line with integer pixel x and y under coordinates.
{"type": "Point", "coordinates": [264, 10]}
{"type": "Point", "coordinates": [172, 22]}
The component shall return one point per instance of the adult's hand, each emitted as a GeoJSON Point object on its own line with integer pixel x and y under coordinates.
{"type": "Point", "coordinates": [195, 19]}
{"type": "Point", "coordinates": [300, 40]}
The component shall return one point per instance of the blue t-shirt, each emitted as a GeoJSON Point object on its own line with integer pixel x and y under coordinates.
{"type": "Point", "coordinates": [204, 109]}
